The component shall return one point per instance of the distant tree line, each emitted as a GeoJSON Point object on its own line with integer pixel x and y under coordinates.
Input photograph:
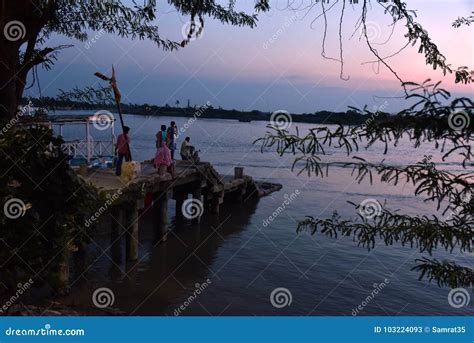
{"type": "Point", "coordinates": [350, 117]}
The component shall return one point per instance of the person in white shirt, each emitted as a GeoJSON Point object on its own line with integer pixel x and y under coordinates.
{"type": "Point", "coordinates": [185, 149]}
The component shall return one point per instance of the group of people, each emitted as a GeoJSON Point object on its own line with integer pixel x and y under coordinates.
{"type": "Point", "coordinates": [165, 149]}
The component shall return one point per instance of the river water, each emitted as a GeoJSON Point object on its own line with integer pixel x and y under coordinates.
{"type": "Point", "coordinates": [231, 265]}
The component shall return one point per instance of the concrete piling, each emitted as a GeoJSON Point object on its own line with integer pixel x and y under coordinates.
{"type": "Point", "coordinates": [197, 196]}
{"type": "Point", "coordinates": [131, 235]}
{"type": "Point", "coordinates": [160, 214]}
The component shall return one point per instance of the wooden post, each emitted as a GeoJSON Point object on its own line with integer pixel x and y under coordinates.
{"type": "Point", "coordinates": [62, 280]}
{"type": "Point", "coordinates": [205, 200]}
{"type": "Point", "coordinates": [118, 222]}
{"type": "Point", "coordinates": [215, 203]}
{"type": "Point", "coordinates": [113, 137]}
{"type": "Point", "coordinates": [197, 195]}
{"type": "Point", "coordinates": [238, 172]}
{"type": "Point", "coordinates": [160, 214]}
{"type": "Point", "coordinates": [79, 259]}
{"type": "Point", "coordinates": [131, 236]}
{"type": "Point", "coordinates": [180, 197]}
{"type": "Point", "coordinates": [240, 194]}
{"type": "Point", "coordinates": [88, 143]}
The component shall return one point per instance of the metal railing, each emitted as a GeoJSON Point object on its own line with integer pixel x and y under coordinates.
{"type": "Point", "coordinates": [78, 148]}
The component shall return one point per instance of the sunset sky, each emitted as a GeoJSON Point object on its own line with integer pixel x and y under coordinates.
{"type": "Point", "coordinates": [277, 65]}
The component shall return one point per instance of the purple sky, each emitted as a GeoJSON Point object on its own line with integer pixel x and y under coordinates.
{"type": "Point", "coordinates": [277, 65]}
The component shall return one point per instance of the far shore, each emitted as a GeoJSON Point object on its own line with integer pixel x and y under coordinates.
{"type": "Point", "coordinates": [350, 117]}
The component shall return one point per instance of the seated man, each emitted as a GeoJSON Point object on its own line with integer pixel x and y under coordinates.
{"type": "Point", "coordinates": [185, 149]}
{"type": "Point", "coordinates": [188, 152]}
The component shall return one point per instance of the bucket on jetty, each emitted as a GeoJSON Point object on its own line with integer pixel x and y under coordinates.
{"type": "Point", "coordinates": [130, 171]}
{"type": "Point", "coordinates": [83, 169]}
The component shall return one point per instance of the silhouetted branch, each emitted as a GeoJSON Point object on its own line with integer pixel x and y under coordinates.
{"type": "Point", "coordinates": [422, 232]}
{"type": "Point", "coordinates": [445, 273]}
{"type": "Point", "coordinates": [431, 119]}
{"type": "Point", "coordinates": [89, 95]}
{"type": "Point", "coordinates": [463, 21]}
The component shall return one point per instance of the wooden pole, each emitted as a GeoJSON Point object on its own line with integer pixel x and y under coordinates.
{"type": "Point", "coordinates": [197, 193]}
{"type": "Point", "coordinates": [131, 237]}
{"type": "Point", "coordinates": [180, 197]}
{"type": "Point", "coordinates": [88, 142]}
{"type": "Point", "coordinates": [118, 221]}
{"type": "Point", "coordinates": [117, 96]}
{"type": "Point", "coordinates": [160, 214]}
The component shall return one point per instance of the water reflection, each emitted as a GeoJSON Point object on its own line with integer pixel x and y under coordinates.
{"type": "Point", "coordinates": [166, 270]}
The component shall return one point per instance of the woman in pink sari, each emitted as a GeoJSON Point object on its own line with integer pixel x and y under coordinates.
{"type": "Point", "coordinates": [163, 160]}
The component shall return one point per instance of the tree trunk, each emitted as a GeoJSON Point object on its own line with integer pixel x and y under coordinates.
{"type": "Point", "coordinates": [8, 79]}
{"type": "Point", "coordinates": [20, 22]}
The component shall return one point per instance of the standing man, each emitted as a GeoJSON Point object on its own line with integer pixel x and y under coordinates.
{"type": "Point", "coordinates": [171, 138]}
{"type": "Point", "coordinates": [122, 149]}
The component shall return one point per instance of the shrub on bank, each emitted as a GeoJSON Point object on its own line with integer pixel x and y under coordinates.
{"type": "Point", "coordinates": [44, 207]}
